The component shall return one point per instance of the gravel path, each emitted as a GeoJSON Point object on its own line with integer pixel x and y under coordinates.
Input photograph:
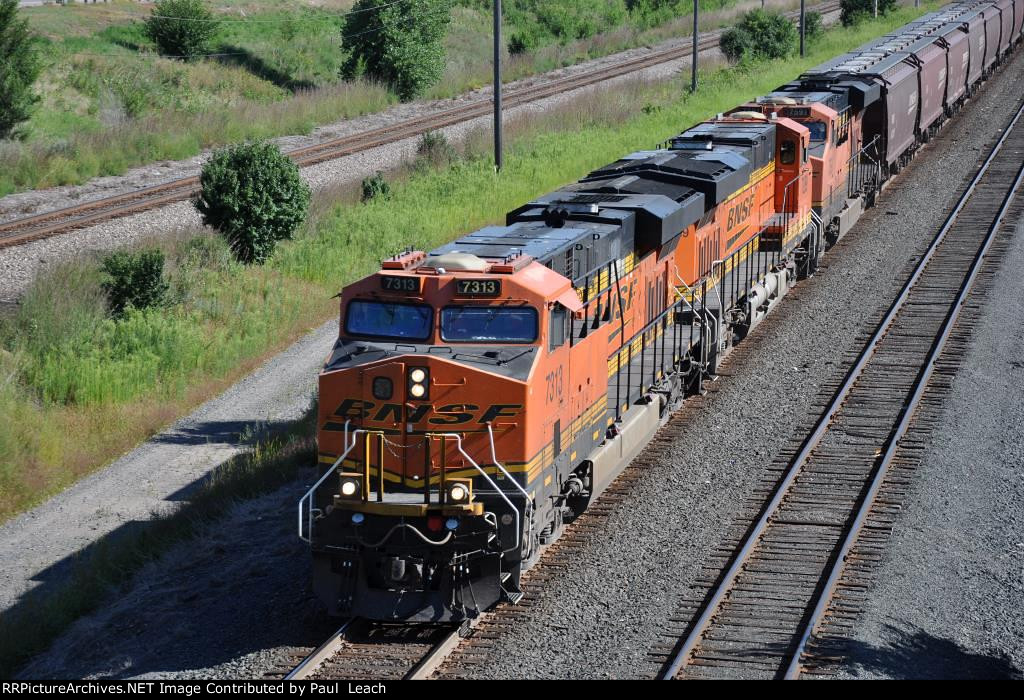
{"type": "Point", "coordinates": [613, 604]}
{"type": "Point", "coordinates": [19, 265]}
{"type": "Point", "coordinates": [948, 602]}
{"type": "Point", "coordinates": [159, 472]}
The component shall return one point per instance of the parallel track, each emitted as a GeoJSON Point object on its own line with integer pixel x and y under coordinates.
{"type": "Point", "coordinates": [792, 589]}
{"type": "Point", "coordinates": [39, 226]}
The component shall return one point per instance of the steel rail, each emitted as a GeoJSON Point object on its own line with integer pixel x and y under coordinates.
{"type": "Point", "coordinates": [323, 652]}
{"type": "Point", "coordinates": [57, 221]}
{"type": "Point", "coordinates": [794, 670]}
{"type": "Point", "coordinates": [821, 427]}
{"type": "Point", "coordinates": [422, 669]}
{"type": "Point", "coordinates": [435, 657]}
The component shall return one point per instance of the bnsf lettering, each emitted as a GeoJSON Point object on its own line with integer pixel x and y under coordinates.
{"type": "Point", "coordinates": [451, 414]}
{"type": "Point", "coordinates": [627, 300]}
{"type": "Point", "coordinates": [740, 212]}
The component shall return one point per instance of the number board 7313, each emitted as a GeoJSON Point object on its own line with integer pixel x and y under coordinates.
{"type": "Point", "coordinates": [478, 288]}
{"type": "Point", "coordinates": [400, 285]}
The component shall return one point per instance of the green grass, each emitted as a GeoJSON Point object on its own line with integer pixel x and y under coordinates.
{"type": "Point", "coordinates": [110, 103]}
{"type": "Point", "coordinates": [38, 618]}
{"type": "Point", "coordinates": [87, 386]}
{"type": "Point", "coordinates": [67, 416]}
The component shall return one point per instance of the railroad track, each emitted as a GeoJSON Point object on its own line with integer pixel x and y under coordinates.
{"type": "Point", "coordinates": [359, 650]}
{"type": "Point", "coordinates": [795, 579]}
{"type": "Point", "coordinates": [39, 226]}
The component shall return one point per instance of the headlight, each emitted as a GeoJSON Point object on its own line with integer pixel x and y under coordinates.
{"type": "Point", "coordinates": [351, 485]}
{"type": "Point", "coordinates": [458, 491]}
{"type": "Point", "coordinates": [419, 383]}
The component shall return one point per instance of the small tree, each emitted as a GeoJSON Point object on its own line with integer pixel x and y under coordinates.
{"type": "Point", "coordinates": [253, 194]}
{"type": "Point", "coordinates": [375, 187]}
{"type": "Point", "coordinates": [399, 43]}
{"type": "Point", "coordinates": [853, 11]}
{"type": "Point", "coordinates": [760, 35]}
{"type": "Point", "coordinates": [19, 68]}
{"type": "Point", "coordinates": [181, 28]}
{"type": "Point", "coordinates": [814, 27]}
{"type": "Point", "coordinates": [134, 280]}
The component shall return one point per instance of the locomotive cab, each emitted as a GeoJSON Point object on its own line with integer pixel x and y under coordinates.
{"type": "Point", "coordinates": [423, 509]}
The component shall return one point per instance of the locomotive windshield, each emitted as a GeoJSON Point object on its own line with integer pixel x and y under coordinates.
{"type": "Point", "coordinates": [818, 130]}
{"type": "Point", "coordinates": [488, 324]}
{"type": "Point", "coordinates": [384, 320]}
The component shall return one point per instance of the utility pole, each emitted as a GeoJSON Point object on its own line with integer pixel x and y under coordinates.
{"type": "Point", "coordinates": [497, 85]}
{"type": "Point", "coordinates": [693, 75]}
{"type": "Point", "coordinates": [802, 27]}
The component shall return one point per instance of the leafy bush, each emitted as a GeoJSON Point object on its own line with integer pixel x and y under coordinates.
{"type": "Point", "coordinates": [563, 20]}
{"type": "Point", "coordinates": [760, 35]}
{"type": "Point", "coordinates": [398, 43]}
{"type": "Point", "coordinates": [524, 40]}
{"type": "Point", "coordinates": [181, 28]}
{"type": "Point", "coordinates": [375, 187]}
{"type": "Point", "coordinates": [134, 280]}
{"type": "Point", "coordinates": [813, 26]}
{"type": "Point", "coordinates": [19, 68]}
{"type": "Point", "coordinates": [650, 13]}
{"type": "Point", "coordinates": [853, 11]}
{"type": "Point", "coordinates": [435, 149]}
{"type": "Point", "coordinates": [253, 194]}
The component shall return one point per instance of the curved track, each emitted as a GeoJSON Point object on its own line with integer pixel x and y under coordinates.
{"type": "Point", "coordinates": [31, 228]}
{"type": "Point", "coordinates": [794, 584]}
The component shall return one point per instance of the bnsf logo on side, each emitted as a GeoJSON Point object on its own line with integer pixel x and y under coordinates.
{"type": "Point", "coordinates": [451, 414]}
{"type": "Point", "coordinates": [738, 213]}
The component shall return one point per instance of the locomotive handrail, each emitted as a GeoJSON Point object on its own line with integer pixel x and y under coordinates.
{"type": "Point", "coordinates": [497, 489]}
{"type": "Point", "coordinates": [853, 169]}
{"type": "Point", "coordinates": [312, 490]}
{"type": "Point", "coordinates": [706, 316]}
{"type": "Point", "coordinates": [499, 465]}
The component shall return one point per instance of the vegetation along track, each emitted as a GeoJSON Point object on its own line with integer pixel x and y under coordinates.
{"type": "Point", "coordinates": [31, 228]}
{"type": "Point", "coordinates": [796, 579]}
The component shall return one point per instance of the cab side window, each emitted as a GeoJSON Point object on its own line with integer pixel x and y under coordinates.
{"type": "Point", "coordinates": [556, 336]}
{"type": "Point", "coordinates": [787, 152]}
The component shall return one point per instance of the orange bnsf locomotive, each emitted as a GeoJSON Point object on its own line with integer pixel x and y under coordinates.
{"type": "Point", "coordinates": [480, 395]}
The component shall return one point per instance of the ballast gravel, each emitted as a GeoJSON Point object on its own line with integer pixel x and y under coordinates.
{"type": "Point", "coordinates": [606, 612]}
{"type": "Point", "coordinates": [608, 609]}
{"type": "Point", "coordinates": [948, 602]}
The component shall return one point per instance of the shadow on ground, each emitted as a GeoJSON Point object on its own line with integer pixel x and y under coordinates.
{"type": "Point", "coordinates": [239, 583]}
{"type": "Point", "coordinates": [222, 433]}
{"type": "Point", "coordinates": [243, 58]}
{"type": "Point", "coordinates": [915, 654]}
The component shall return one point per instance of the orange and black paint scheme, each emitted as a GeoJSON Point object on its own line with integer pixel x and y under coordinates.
{"type": "Point", "coordinates": [525, 363]}
{"type": "Point", "coordinates": [481, 395]}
